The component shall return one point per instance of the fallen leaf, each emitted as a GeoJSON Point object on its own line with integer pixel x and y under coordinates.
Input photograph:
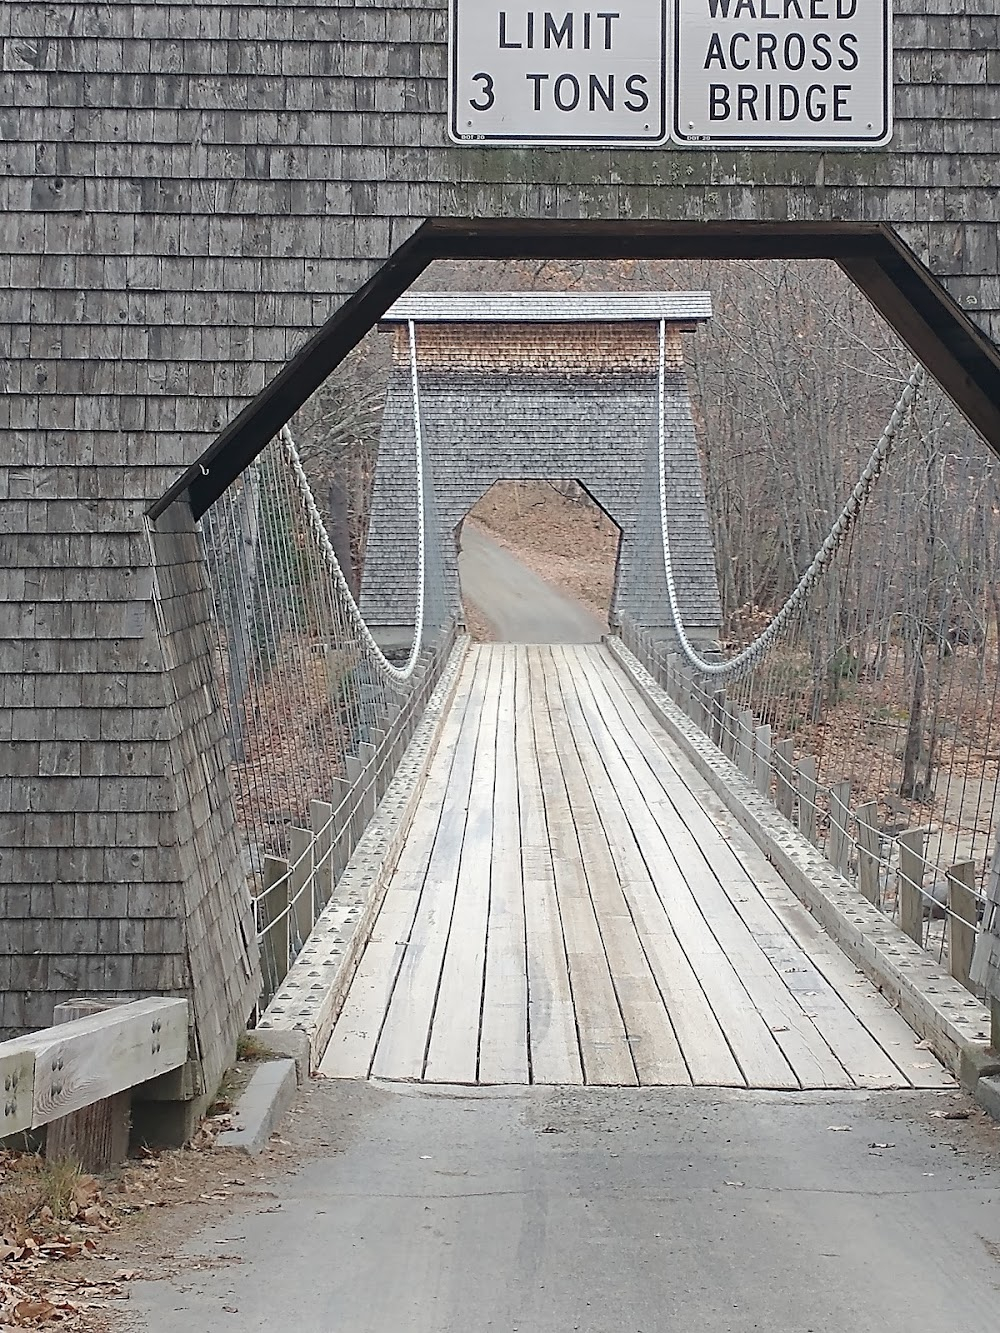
{"type": "Point", "coordinates": [881, 1145]}
{"type": "Point", "coordinates": [25, 1310]}
{"type": "Point", "coordinates": [839, 1129]}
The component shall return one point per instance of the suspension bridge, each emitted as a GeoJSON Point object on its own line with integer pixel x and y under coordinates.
{"type": "Point", "coordinates": [565, 892]}
{"type": "Point", "coordinates": [567, 900]}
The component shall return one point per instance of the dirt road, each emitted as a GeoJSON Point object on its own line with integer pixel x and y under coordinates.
{"type": "Point", "coordinates": [520, 606]}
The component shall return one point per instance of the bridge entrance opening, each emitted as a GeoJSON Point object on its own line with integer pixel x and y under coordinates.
{"type": "Point", "coordinates": [793, 344]}
{"type": "Point", "coordinates": [537, 562]}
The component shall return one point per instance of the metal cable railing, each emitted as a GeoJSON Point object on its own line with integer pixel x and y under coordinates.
{"type": "Point", "coordinates": [318, 715]}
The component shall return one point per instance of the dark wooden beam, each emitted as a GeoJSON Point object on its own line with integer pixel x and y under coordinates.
{"type": "Point", "coordinates": [939, 333]}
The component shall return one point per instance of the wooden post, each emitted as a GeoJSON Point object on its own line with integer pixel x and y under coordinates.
{"type": "Point", "coordinates": [784, 770]}
{"type": "Point", "coordinates": [744, 754]}
{"type": "Point", "coordinates": [366, 753]}
{"type": "Point", "coordinates": [762, 760]}
{"type": "Point", "coordinates": [96, 1137]}
{"type": "Point", "coordinates": [274, 922]}
{"type": "Point", "coordinates": [807, 797]}
{"type": "Point", "coordinates": [868, 852]}
{"type": "Point", "coordinates": [718, 717]}
{"type": "Point", "coordinates": [340, 838]}
{"type": "Point", "coordinates": [840, 817]}
{"type": "Point", "coordinates": [355, 826]}
{"type": "Point", "coordinates": [963, 909]}
{"type": "Point", "coordinates": [300, 889]}
{"type": "Point", "coordinates": [911, 882]}
{"type": "Point", "coordinates": [731, 729]}
{"type": "Point", "coordinates": [321, 819]}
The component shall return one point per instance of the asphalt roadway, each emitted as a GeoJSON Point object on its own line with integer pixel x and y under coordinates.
{"type": "Point", "coordinates": [521, 607]}
{"type": "Point", "coordinates": [542, 1210]}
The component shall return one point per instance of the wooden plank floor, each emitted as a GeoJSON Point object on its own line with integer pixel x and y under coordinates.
{"type": "Point", "coordinates": [574, 905]}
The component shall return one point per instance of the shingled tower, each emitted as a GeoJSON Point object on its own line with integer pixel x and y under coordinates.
{"type": "Point", "coordinates": [522, 386]}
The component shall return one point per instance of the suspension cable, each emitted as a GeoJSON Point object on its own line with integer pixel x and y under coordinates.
{"type": "Point", "coordinates": [747, 659]}
{"type": "Point", "coordinates": [322, 537]}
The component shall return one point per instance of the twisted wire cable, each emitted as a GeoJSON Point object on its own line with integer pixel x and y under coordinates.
{"type": "Point", "coordinates": [750, 656]}
{"type": "Point", "coordinates": [397, 674]}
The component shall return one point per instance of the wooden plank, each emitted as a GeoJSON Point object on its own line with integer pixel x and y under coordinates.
{"type": "Point", "coordinates": [403, 1043]}
{"type": "Point", "coordinates": [351, 1050]}
{"type": "Point", "coordinates": [655, 1048]}
{"type": "Point", "coordinates": [840, 820]}
{"type": "Point", "coordinates": [911, 881]}
{"type": "Point", "coordinates": [729, 945]}
{"type": "Point", "coordinates": [553, 1043]}
{"type": "Point", "coordinates": [963, 907]}
{"type": "Point", "coordinates": [17, 1086]}
{"type": "Point", "coordinates": [453, 1048]}
{"type": "Point", "coordinates": [604, 1048]}
{"type": "Point", "coordinates": [863, 1057]}
{"type": "Point", "coordinates": [820, 958]}
{"type": "Point", "coordinates": [503, 1042]}
{"type": "Point", "coordinates": [82, 1062]}
{"type": "Point", "coordinates": [869, 858]}
{"type": "Point", "coordinates": [707, 1057]}
{"type": "Point", "coordinates": [784, 770]}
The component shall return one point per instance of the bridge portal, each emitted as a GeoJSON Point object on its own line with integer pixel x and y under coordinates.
{"type": "Point", "coordinates": [188, 192]}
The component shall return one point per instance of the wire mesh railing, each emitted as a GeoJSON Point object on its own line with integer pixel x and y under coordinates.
{"type": "Point", "coordinates": [867, 707]}
{"type": "Point", "coordinates": [318, 717]}
{"type": "Point", "coordinates": [928, 875]}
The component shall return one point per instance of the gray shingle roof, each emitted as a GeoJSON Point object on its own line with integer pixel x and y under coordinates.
{"type": "Point", "coordinates": [550, 307]}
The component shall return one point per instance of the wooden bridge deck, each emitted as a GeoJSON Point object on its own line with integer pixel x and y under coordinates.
{"type": "Point", "coordinates": [574, 905]}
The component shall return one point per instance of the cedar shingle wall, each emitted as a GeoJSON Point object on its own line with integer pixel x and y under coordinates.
{"type": "Point", "coordinates": [186, 190]}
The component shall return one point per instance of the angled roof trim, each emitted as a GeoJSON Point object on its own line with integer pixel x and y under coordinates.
{"type": "Point", "coordinates": [550, 308]}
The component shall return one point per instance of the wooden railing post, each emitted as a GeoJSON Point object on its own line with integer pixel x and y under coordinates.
{"type": "Point", "coordinates": [321, 819]}
{"type": "Point", "coordinates": [274, 923]}
{"type": "Point", "coordinates": [869, 861]}
{"type": "Point", "coordinates": [840, 818]}
{"type": "Point", "coordinates": [744, 752]}
{"type": "Point", "coordinates": [366, 753]}
{"type": "Point", "coordinates": [807, 797]}
{"type": "Point", "coordinates": [300, 886]}
{"type": "Point", "coordinates": [718, 717]}
{"type": "Point", "coordinates": [762, 760]}
{"type": "Point", "coordinates": [963, 917]}
{"type": "Point", "coordinates": [784, 771]}
{"type": "Point", "coordinates": [731, 729]}
{"type": "Point", "coordinates": [96, 1136]}
{"type": "Point", "coordinates": [911, 882]}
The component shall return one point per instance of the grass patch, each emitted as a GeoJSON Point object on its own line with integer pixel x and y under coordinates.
{"type": "Point", "coordinates": [36, 1193]}
{"type": "Point", "coordinates": [250, 1047]}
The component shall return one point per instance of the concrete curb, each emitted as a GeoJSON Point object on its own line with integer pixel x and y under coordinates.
{"type": "Point", "coordinates": [987, 1094]}
{"type": "Point", "coordinates": [312, 995]}
{"type": "Point", "coordinates": [954, 1024]}
{"type": "Point", "coordinates": [261, 1105]}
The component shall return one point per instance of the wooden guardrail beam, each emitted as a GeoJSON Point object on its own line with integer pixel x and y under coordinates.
{"type": "Point", "coordinates": [75, 1064]}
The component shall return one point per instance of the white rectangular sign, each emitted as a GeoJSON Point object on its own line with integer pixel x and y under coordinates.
{"type": "Point", "coordinates": [524, 73]}
{"type": "Point", "coordinates": [782, 73]}
{"type": "Point", "coordinates": [734, 73]}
